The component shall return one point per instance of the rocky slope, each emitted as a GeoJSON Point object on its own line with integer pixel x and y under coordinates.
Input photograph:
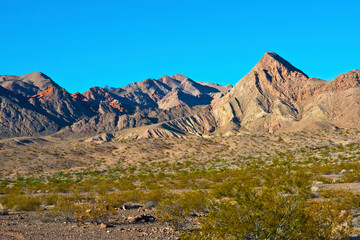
{"type": "Point", "coordinates": [27, 85]}
{"type": "Point", "coordinates": [33, 104]}
{"type": "Point", "coordinates": [273, 97]}
{"type": "Point", "coordinates": [276, 96]}
{"type": "Point", "coordinates": [19, 117]}
{"type": "Point", "coordinates": [265, 98]}
{"type": "Point", "coordinates": [169, 92]}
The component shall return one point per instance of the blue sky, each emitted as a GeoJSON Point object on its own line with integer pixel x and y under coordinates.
{"type": "Point", "coordinates": [81, 44]}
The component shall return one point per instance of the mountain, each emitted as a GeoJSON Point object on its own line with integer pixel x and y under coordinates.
{"type": "Point", "coordinates": [170, 92]}
{"type": "Point", "coordinates": [267, 95]}
{"type": "Point", "coordinates": [273, 97]}
{"type": "Point", "coordinates": [18, 117]}
{"type": "Point", "coordinates": [37, 105]}
{"type": "Point", "coordinates": [336, 102]}
{"type": "Point", "coordinates": [147, 102]}
{"type": "Point", "coordinates": [276, 96]}
{"type": "Point", "coordinates": [27, 85]}
{"type": "Point", "coordinates": [98, 96]}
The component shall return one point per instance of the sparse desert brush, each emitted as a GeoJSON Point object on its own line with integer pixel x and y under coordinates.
{"type": "Point", "coordinates": [21, 202]}
{"type": "Point", "coordinates": [329, 218]}
{"type": "Point", "coordinates": [4, 183]}
{"type": "Point", "coordinates": [50, 199]}
{"type": "Point", "coordinates": [323, 179]}
{"type": "Point", "coordinates": [73, 208]}
{"type": "Point", "coordinates": [350, 177]}
{"type": "Point", "coordinates": [280, 208]}
{"type": "Point", "coordinates": [93, 212]}
{"type": "Point", "coordinates": [221, 169]}
{"type": "Point", "coordinates": [327, 169]}
{"type": "Point", "coordinates": [83, 186]}
{"type": "Point", "coordinates": [152, 183]}
{"type": "Point", "coordinates": [64, 210]}
{"type": "Point", "coordinates": [131, 196]}
{"type": "Point", "coordinates": [114, 200]}
{"type": "Point", "coordinates": [104, 187]}
{"type": "Point", "coordinates": [123, 184]}
{"type": "Point", "coordinates": [63, 187]}
{"type": "Point", "coordinates": [78, 197]}
{"type": "Point", "coordinates": [253, 213]}
{"type": "Point", "coordinates": [117, 200]}
{"type": "Point", "coordinates": [178, 208]}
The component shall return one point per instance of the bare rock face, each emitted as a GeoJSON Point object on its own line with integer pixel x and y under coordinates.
{"type": "Point", "coordinates": [108, 121]}
{"type": "Point", "coordinates": [27, 85]}
{"type": "Point", "coordinates": [274, 96]}
{"type": "Point", "coordinates": [18, 117]}
{"type": "Point", "coordinates": [170, 92]}
{"type": "Point", "coordinates": [264, 97]}
{"type": "Point", "coordinates": [178, 98]}
{"type": "Point", "coordinates": [337, 102]}
{"type": "Point", "coordinates": [46, 96]}
{"type": "Point", "coordinates": [33, 104]}
{"type": "Point", "coordinates": [105, 137]}
{"type": "Point", "coordinates": [346, 80]}
{"type": "Point", "coordinates": [143, 103]}
{"type": "Point", "coordinates": [97, 97]}
{"type": "Point", "coordinates": [201, 123]}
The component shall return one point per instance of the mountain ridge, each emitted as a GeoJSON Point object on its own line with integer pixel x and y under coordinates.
{"type": "Point", "coordinates": [274, 96]}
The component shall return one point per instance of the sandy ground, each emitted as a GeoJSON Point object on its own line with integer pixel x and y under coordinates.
{"type": "Point", "coordinates": [28, 226]}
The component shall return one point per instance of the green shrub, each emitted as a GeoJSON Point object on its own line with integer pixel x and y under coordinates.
{"type": "Point", "coordinates": [21, 202]}
{"type": "Point", "coordinates": [178, 208]}
{"type": "Point", "coordinates": [279, 209]}
{"type": "Point", "coordinates": [351, 177]}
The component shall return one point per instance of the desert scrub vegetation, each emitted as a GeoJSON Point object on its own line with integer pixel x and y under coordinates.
{"type": "Point", "coordinates": [77, 210]}
{"type": "Point", "coordinates": [237, 187]}
{"type": "Point", "coordinates": [259, 201]}
{"type": "Point", "coordinates": [279, 206]}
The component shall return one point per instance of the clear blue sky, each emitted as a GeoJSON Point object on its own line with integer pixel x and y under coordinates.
{"type": "Point", "coordinates": [81, 44]}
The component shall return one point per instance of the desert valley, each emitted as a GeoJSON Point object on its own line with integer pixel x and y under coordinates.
{"type": "Point", "coordinates": [277, 156]}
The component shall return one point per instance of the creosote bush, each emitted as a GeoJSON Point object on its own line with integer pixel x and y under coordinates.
{"type": "Point", "coordinates": [178, 208]}
{"type": "Point", "coordinates": [280, 207]}
{"type": "Point", "coordinates": [21, 202]}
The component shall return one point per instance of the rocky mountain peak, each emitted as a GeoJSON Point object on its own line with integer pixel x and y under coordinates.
{"type": "Point", "coordinates": [39, 79]}
{"type": "Point", "coordinates": [179, 77]}
{"type": "Point", "coordinates": [273, 64]}
{"type": "Point", "coordinates": [35, 75]}
{"type": "Point", "coordinates": [79, 96]}
{"type": "Point", "coordinates": [96, 93]}
{"type": "Point", "coordinates": [29, 84]}
{"type": "Point", "coordinates": [171, 82]}
{"type": "Point", "coordinates": [106, 87]}
{"type": "Point", "coordinates": [346, 80]}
